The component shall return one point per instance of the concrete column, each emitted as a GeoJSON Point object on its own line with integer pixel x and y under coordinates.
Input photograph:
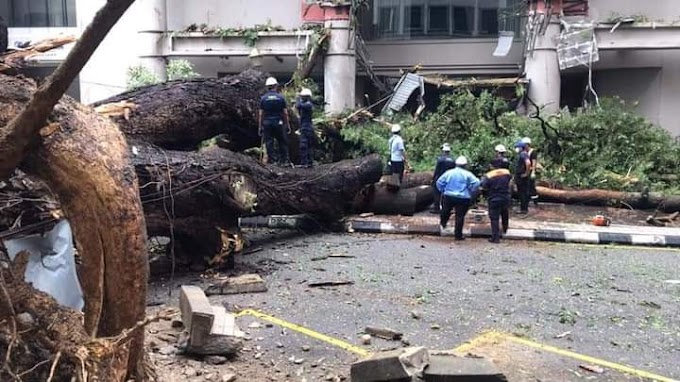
{"type": "Point", "coordinates": [153, 24]}
{"type": "Point", "coordinates": [543, 70]}
{"type": "Point", "coordinates": [339, 62]}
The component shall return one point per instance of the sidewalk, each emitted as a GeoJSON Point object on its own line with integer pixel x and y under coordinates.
{"type": "Point", "coordinates": [522, 230]}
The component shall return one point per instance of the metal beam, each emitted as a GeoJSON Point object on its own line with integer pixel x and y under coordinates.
{"type": "Point", "coordinates": [638, 38]}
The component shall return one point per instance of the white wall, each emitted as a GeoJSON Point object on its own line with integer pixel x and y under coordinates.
{"type": "Point", "coordinates": [657, 93]}
{"type": "Point", "coordinates": [106, 73]}
{"type": "Point", "coordinates": [233, 13]}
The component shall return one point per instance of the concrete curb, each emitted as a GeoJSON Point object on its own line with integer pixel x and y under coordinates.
{"type": "Point", "coordinates": [547, 234]}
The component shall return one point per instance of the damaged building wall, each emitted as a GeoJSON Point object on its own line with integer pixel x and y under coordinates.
{"type": "Point", "coordinates": [657, 10]}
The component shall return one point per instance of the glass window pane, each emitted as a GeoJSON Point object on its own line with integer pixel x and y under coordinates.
{"type": "Point", "coordinates": [488, 21]}
{"type": "Point", "coordinates": [57, 13]}
{"type": "Point", "coordinates": [439, 19]}
{"type": "Point", "coordinates": [414, 22]}
{"type": "Point", "coordinates": [37, 13]}
{"type": "Point", "coordinates": [463, 20]}
{"type": "Point", "coordinates": [387, 21]}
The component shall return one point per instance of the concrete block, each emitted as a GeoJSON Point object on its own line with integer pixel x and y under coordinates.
{"type": "Point", "coordinates": [391, 366]}
{"type": "Point", "coordinates": [211, 329]}
{"type": "Point", "coordinates": [251, 283]}
{"type": "Point", "coordinates": [450, 368]}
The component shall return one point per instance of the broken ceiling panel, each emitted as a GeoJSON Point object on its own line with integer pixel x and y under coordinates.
{"type": "Point", "coordinates": [402, 92]}
{"type": "Point", "coordinates": [577, 46]}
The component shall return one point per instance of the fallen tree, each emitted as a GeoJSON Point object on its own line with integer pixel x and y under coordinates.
{"type": "Point", "coordinates": [596, 197]}
{"type": "Point", "coordinates": [192, 193]}
{"type": "Point", "coordinates": [181, 114]}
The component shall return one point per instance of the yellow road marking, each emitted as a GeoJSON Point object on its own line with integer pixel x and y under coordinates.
{"type": "Point", "coordinates": [308, 332]}
{"type": "Point", "coordinates": [483, 339]}
{"type": "Point", "coordinates": [488, 338]}
{"type": "Point", "coordinates": [495, 337]}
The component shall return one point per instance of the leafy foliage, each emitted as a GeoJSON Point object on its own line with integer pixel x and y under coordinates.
{"type": "Point", "coordinates": [180, 69]}
{"type": "Point", "coordinates": [605, 147]}
{"type": "Point", "coordinates": [138, 76]}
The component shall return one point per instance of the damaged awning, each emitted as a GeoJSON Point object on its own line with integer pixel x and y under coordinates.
{"type": "Point", "coordinates": [409, 83]}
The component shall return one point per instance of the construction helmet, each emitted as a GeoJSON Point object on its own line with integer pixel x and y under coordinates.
{"type": "Point", "coordinates": [306, 92]}
{"type": "Point", "coordinates": [461, 161]}
{"type": "Point", "coordinates": [526, 140]}
{"type": "Point", "coordinates": [396, 128]}
{"type": "Point", "coordinates": [500, 149]}
{"type": "Point", "coordinates": [271, 81]}
{"type": "Point", "coordinates": [446, 147]}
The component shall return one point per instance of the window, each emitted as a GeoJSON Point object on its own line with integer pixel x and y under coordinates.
{"type": "Point", "coordinates": [414, 19]}
{"type": "Point", "coordinates": [387, 24]}
{"type": "Point", "coordinates": [437, 19]}
{"type": "Point", "coordinates": [488, 21]}
{"type": "Point", "coordinates": [463, 20]}
{"type": "Point", "coordinates": [38, 13]}
{"type": "Point", "coordinates": [438, 16]}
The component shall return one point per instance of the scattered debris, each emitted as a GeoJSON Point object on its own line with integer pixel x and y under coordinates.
{"type": "Point", "coordinates": [650, 304]}
{"type": "Point", "coordinates": [435, 327]}
{"type": "Point", "coordinates": [562, 335]}
{"type": "Point", "coordinates": [211, 330]}
{"type": "Point", "coordinates": [255, 325]}
{"type": "Point", "coordinates": [306, 348]}
{"type": "Point", "coordinates": [394, 365]}
{"type": "Point", "coordinates": [384, 333]}
{"type": "Point", "coordinates": [592, 368]}
{"type": "Point", "coordinates": [215, 360]}
{"type": "Point", "coordinates": [416, 315]}
{"type": "Point", "coordinates": [366, 215]}
{"type": "Point", "coordinates": [250, 283]}
{"type": "Point", "coordinates": [661, 221]}
{"type": "Point", "coordinates": [229, 377]}
{"type": "Point", "coordinates": [674, 282]}
{"type": "Point", "coordinates": [445, 366]}
{"type": "Point", "coordinates": [366, 339]}
{"type": "Point", "coordinates": [330, 283]}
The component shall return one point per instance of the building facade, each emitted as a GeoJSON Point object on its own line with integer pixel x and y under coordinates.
{"type": "Point", "coordinates": [638, 60]}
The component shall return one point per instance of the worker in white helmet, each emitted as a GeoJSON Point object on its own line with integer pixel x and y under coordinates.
{"type": "Point", "coordinates": [305, 109]}
{"type": "Point", "coordinates": [459, 187]}
{"type": "Point", "coordinates": [501, 157]}
{"type": "Point", "coordinates": [398, 161]}
{"type": "Point", "coordinates": [273, 117]}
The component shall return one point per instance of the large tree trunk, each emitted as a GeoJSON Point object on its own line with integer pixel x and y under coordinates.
{"type": "Point", "coordinates": [85, 160]}
{"type": "Point", "coordinates": [198, 191]}
{"type": "Point", "coordinates": [595, 197]}
{"type": "Point", "coordinates": [180, 114]}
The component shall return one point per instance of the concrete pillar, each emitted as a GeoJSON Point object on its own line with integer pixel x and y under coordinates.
{"type": "Point", "coordinates": [543, 70]}
{"type": "Point", "coordinates": [153, 24]}
{"type": "Point", "coordinates": [340, 61]}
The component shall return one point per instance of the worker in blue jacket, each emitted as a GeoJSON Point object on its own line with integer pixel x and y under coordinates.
{"type": "Point", "coordinates": [273, 117]}
{"type": "Point", "coordinates": [496, 185]}
{"type": "Point", "coordinates": [444, 164]}
{"type": "Point", "coordinates": [459, 188]}
{"type": "Point", "coordinates": [305, 109]}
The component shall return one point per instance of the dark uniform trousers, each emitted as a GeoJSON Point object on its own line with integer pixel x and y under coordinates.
{"type": "Point", "coordinates": [273, 131]}
{"type": "Point", "coordinates": [461, 206]}
{"type": "Point", "coordinates": [306, 145]}
{"type": "Point", "coordinates": [524, 191]}
{"type": "Point", "coordinates": [499, 209]}
{"type": "Point", "coordinates": [398, 168]}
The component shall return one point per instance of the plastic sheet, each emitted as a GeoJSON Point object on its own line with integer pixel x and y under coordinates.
{"type": "Point", "coordinates": [51, 266]}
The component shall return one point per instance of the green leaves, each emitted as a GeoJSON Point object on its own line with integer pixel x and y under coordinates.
{"type": "Point", "coordinates": [603, 147]}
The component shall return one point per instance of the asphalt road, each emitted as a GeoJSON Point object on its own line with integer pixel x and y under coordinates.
{"type": "Point", "coordinates": [614, 304]}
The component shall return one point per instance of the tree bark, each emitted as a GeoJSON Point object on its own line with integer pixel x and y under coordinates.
{"type": "Point", "coordinates": [85, 161]}
{"type": "Point", "coordinates": [181, 114]}
{"type": "Point", "coordinates": [596, 197]}
{"type": "Point", "coordinates": [380, 199]}
{"type": "Point", "coordinates": [218, 185]}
